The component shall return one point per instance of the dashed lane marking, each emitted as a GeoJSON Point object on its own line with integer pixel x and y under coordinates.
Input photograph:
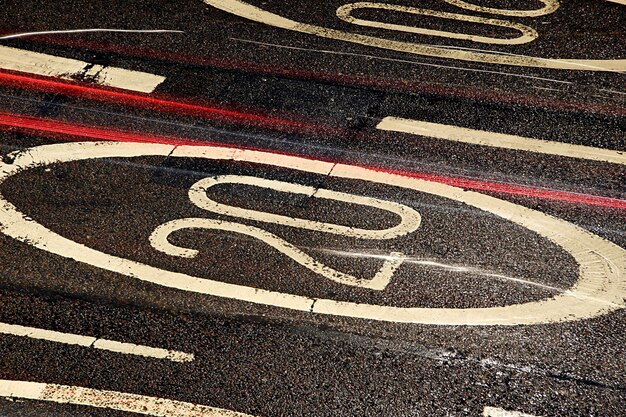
{"type": "Point", "coordinates": [96, 343]}
{"type": "Point", "coordinates": [500, 140]}
{"type": "Point", "coordinates": [248, 11]}
{"type": "Point", "coordinates": [14, 59]}
{"type": "Point", "coordinates": [599, 289]}
{"type": "Point", "coordinates": [112, 400]}
{"type": "Point", "coordinates": [500, 412]}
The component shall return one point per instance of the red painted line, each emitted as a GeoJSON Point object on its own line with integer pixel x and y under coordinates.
{"type": "Point", "coordinates": [152, 102]}
{"type": "Point", "coordinates": [380, 83]}
{"type": "Point", "coordinates": [68, 131]}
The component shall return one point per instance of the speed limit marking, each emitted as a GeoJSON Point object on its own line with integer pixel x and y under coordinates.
{"type": "Point", "coordinates": [600, 288]}
{"type": "Point", "coordinates": [250, 12]}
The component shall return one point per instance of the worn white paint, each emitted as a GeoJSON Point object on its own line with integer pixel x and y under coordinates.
{"type": "Point", "coordinates": [112, 400]}
{"type": "Point", "coordinates": [499, 412]}
{"type": "Point", "coordinates": [250, 12]}
{"type": "Point", "coordinates": [500, 140]}
{"type": "Point", "coordinates": [527, 34]}
{"type": "Point", "coordinates": [600, 288]}
{"type": "Point", "coordinates": [14, 59]}
{"type": "Point", "coordinates": [549, 6]}
{"type": "Point", "coordinates": [93, 342]}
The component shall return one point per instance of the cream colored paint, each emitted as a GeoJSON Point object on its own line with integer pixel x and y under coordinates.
{"type": "Point", "coordinates": [527, 34]}
{"type": "Point", "coordinates": [409, 218]}
{"type": "Point", "coordinates": [71, 69]}
{"type": "Point", "coordinates": [500, 412]}
{"type": "Point", "coordinates": [500, 140]}
{"type": "Point", "coordinates": [93, 342]}
{"type": "Point", "coordinates": [549, 6]}
{"type": "Point", "coordinates": [250, 12]}
{"type": "Point", "coordinates": [600, 288]}
{"type": "Point", "coordinates": [111, 400]}
{"type": "Point", "coordinates": [158, 240]}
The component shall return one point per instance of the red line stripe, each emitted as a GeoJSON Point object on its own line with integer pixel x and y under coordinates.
{"type": "Point", "coordinates": [47, 127]}
{"type": "Point", "coordinates": [111, 95]}
{"type": "Point", "coordinates": [439, 89]}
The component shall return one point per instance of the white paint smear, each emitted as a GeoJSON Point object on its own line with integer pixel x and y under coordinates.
{"type": "Point", "coordinates": [112, 400]}
{"type": "Point", "coordinates": [600, 287]}
{"type": "Point", "coordinates": [499, 412]}
{"type": "Point", "coordinates": [500, 140]}
{"type": "Point", "coordinates": [14, 59]}
{"type": "Point", "coordinates": [93, 342]}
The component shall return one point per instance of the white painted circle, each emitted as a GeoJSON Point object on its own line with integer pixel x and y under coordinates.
{"type": "Point", "coordinates": [600, 288]}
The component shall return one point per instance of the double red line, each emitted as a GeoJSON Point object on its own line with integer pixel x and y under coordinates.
{"type": "Point", "coordinates": [69, 131]}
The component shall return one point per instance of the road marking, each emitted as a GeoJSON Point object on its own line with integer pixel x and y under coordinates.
{"type": "Point", "coordinates": [499, 412]}
{"type": "Point", "coordinates": [112, 400]}
{"type": "Point", "coordinates": [409, 222]}
{"type": "Point", "coordinates": [622, 2]}
{"type": "Point", "coordinates": [599, 289]}
{"type": "Point", "coordinates": [14, 59]}
{"type": "Point", "coordinates": [158, 240]}
{"type": "Point", "coordinates": [500, 140]}
{"type": "Point", "coordinates": [253, 13]}
{"type": "Point", "coordinates": [93, 342]}
{"type": "Point", "coordinates": [57, 32]}
{"type": "Point", "coordinates": [528, 34]}
{"type": "Point", "coordinates": [409, 218]}
{"type": "Point", "coordinates": [550, 6]}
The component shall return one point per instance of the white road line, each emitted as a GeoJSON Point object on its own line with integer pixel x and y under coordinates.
{"type": "Point", "coordinates": [622, 2]}
{"type": "Point", "coordinates": [112, 400]}
{"type": "Point", "coordinates": [69, 31]}
{"type": "Point", "coordinates": [500, 140]}
{"type": "Point", "coordinates": [499, 412]}
{"type": "Point", "coordinates": [71, 69]}
{"type": "Point", "coordinates": [92, 342]}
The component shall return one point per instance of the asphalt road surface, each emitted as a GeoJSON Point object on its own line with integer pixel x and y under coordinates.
{"type": "Point", "coordinates": [301, 208]}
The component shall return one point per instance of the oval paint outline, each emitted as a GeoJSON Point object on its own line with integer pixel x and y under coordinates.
{"type": "Point", "coordinates": [600, 288]}
{"type": "Point", "coordinates": [528, 34]}
{"type": "Point", "coordinates": [253, 13]}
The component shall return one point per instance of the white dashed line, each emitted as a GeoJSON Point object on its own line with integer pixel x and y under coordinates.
{"type": "Point", "coordinates": [14, 59]}
{"type": "Point", "coordinates": [500, 140]}
{"type": "Point", "coordinates": [93, 342]}
{"type": "Point", "coordinates": [112, 400]}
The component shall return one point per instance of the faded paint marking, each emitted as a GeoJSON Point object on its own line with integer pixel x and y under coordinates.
{"type": "Point", "coordinates": [14, 59]}
{"type": "Point", "coordinates": [499, 412]}
{"type": "Point", "coordinates": [93, 342]}
{"type": "Point", "coordinates": [112, 400]}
